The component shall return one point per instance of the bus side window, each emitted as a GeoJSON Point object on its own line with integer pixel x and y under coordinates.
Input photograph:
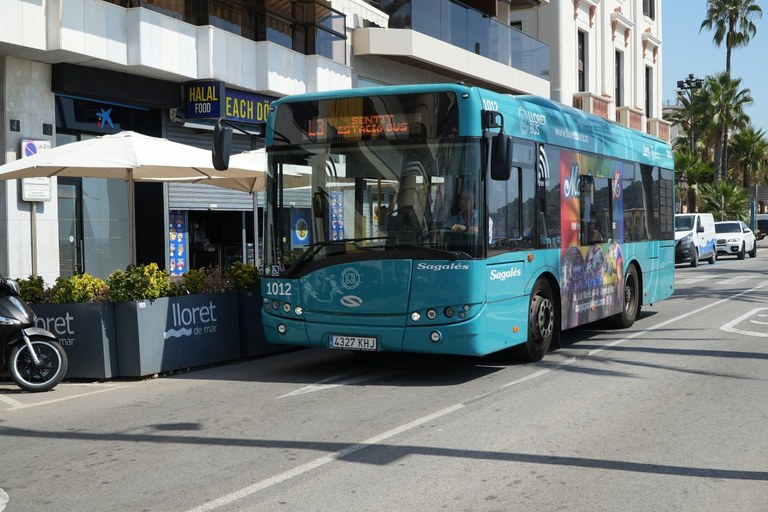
{"type": "Point", "coordinates": [596, 210]}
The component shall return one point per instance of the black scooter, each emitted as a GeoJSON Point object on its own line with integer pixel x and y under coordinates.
{"type": "Point", "coordinates": [33, 356]}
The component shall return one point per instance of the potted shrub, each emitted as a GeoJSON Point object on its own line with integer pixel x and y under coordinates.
{"type": "Point", "coordinates": [246, 282]}
{"type": "Point", "coordinates": [164, 326]}
{"type": "Point", "coordinates": [75, 310]}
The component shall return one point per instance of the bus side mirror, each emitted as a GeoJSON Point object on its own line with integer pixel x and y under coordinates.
{"type": "Point", "coordinates": [501, 157]}
{"type": "Point", "coordinates": [222, 146]}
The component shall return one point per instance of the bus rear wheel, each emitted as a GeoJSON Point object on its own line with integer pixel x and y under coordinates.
{"type": "Point", "coordinates": [542, 323]}
{"type": "Point", "coordinates": [631, 308]}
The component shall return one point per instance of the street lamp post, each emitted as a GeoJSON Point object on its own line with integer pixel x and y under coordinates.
{"type": "Point", "coordinates": [690, 84]}
{"type": "Point", "coordinates": [682, 182]}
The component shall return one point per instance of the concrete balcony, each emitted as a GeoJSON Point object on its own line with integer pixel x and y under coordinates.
{"type": "Point", "coordinates": [659, 128]}
{"type": "Point", "coordinates": [461, 41]}
{"type": "Point", "coordinates": [136, 40]}
{"type": "Point", "coordinates": [593, 104]}
{"type": "Point", "coordinates": [631, 118]}
{"type": "Point", "coordinates": [426, 52]}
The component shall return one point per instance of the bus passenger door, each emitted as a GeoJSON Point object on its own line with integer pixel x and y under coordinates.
{"type": "Point", "coordinates": [512, 210]}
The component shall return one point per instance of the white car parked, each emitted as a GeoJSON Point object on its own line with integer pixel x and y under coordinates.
{"type": "Point", "coordinates": [735, 237]}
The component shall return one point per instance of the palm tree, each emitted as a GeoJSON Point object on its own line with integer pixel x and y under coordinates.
{"type": "Point", "coordinates": [749, 150]}
{"type": "Point", "coordinates": [690, 173]}
{"type": "Point", "coordinates": [732, 22]}
{"type": "Point", "coordinates": [725, 200]}
{"type": "Point", "coordinates": [725, 110]}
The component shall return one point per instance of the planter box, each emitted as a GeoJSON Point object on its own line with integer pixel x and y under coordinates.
{"type": "Point", "coordinates": [252, 342]}
{"type": "Point", "coordinates": [175, 333]}
{"type": "Point", "coordinates": [87, 333]}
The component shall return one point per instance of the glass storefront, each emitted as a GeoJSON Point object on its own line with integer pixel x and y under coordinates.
{"type": "Point", "coordinates": [93, 212]}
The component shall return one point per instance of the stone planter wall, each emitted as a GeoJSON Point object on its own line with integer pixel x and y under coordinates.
{"type": "Point", "coordinates": [176, 333]}
{"type": "Point", "coordinates": [87, 333]}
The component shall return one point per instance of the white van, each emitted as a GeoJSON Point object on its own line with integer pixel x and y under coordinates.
{"type": "Point", "coordinates": [762, 226]}
{"type": "Point", "coordinates": [695, 238]}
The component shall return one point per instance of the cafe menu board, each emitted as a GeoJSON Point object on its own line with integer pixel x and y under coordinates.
{"type": "Point", "coordinates": [337, 215]}
{"type": "Point", "coordinates": [178, 237]}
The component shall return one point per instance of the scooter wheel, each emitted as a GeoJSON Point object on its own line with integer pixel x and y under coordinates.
{"type": "Point", "coordinates": [43, 377]}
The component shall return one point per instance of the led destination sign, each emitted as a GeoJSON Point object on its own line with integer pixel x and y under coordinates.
{"type": "Point", "coordinates": [399, 118]}
{"type": "Point", "coordinates": [362, 127]}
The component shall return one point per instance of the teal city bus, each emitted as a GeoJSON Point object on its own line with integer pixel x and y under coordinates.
{"type": "Point", "coordinates": [455, 220]}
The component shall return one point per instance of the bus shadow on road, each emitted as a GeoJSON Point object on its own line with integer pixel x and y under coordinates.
{"type": "Point", "coordinates": [325, 367]}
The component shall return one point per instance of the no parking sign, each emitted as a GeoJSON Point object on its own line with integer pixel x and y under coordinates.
{"type": "Point", "coordinates": [35, 189]}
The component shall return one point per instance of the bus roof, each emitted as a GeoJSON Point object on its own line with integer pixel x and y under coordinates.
{"type": "Point", "coordinates": [528, 117]}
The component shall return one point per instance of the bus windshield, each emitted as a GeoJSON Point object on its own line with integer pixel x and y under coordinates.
{"type": "Point", "coordinates": [375, 199]}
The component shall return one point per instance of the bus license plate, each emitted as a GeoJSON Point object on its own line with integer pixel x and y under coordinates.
{"type": "Point", "coordinates": [353, 342]}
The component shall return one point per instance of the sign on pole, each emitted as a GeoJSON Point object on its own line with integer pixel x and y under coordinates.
{"type": "Point", "coordinates": [35, 189]}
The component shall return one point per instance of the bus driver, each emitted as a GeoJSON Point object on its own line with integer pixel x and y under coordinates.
{"type": "Point", "coordinates": [466, 218]}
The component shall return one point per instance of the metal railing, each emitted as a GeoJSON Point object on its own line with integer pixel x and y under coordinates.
{"type": "Point", "coordinates": [471, 30]}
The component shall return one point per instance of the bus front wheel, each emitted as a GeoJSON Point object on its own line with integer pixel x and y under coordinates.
{"type": "Point", "coordinates": [542, 323]}
{"type": "Point", "coordinates": [631, 308]}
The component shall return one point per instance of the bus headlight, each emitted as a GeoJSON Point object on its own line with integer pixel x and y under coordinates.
{"type": "Point", "coordinates": [287, 307]}
{"type": "Point", "coordinates": [435, 336]}
{"type": "Point", "coordinates": [299, 311]}
{"type": "Point", "coordinates": [449, 312]}
{"type": "Point", "coordinates": [281, 328]}
{"type": "Point", "coordinates": [431, 314]}
{"type": "Point", "coordinates": [275, 304]}
{"type": "Point", "coordinates": [415, 316]}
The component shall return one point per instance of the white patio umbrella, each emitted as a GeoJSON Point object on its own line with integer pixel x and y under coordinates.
{"type": "Point", "coordinates": [133, 157]}
{"type": "Point", "coordinates": [253, 182]}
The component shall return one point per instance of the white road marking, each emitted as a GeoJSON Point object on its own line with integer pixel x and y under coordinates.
{"type": "Point", "coordinates": [19, 405]}
{"type": "Point", "coordinates": [729, 327]}
{"type": "Point", "coordinates": [226, 499]}
{"type": "Point", "coordinates": [734, 280]}
{"type": "Point", "coordinates": [10, 401]}
{"type": "Point", "coordinates": [716, 278]}
{"type": "Point", "coordinates": [338, 380]}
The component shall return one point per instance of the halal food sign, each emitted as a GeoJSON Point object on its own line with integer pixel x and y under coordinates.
{"type": "Point", "coordinates": [213, 100]}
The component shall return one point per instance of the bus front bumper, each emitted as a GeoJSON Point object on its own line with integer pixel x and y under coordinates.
{"type": "Point", "coordinates": [462, 338]}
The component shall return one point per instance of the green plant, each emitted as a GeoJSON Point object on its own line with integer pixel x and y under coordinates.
{"type": "Point", "coordinates": [205, 280]}
{"type": "Point", "coordinates": [139, 282]}
{"type": "Point", "coordinates": [725, 200]}
{"type": "Point", "coordinates": [79, 288]}
{"type": "Point", "coordinates": [33, 290]}
{"type": "Point", "coordinates": [243, 276]}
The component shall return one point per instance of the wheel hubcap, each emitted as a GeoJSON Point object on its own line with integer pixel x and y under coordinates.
{"type": "Point", "coordinates": [545, 318]}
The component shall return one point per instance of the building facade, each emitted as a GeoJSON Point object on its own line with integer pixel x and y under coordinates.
{"type": "Point", "coordinates": [605, 56]}
{"type": "Point", "coordinates": [74, 69]}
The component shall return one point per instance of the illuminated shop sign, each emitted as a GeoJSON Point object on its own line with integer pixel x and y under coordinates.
{"type": "Point", "coordinates": [246, 107]}
{"type": "Point", "coordinates": [213, 100]}
{"type": "Point", "coordinates": [203, 99]}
